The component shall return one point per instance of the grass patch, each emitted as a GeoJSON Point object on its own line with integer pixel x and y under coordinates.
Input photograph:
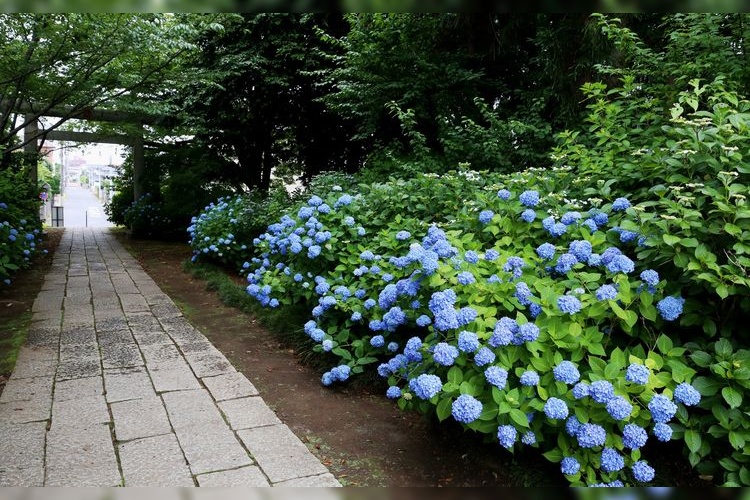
{"type": "Point", "coordinates": [11, 340]}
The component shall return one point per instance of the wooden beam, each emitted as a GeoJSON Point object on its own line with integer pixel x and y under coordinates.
{"type": "Point", "coordinates": [65, 135]}
{"type": "Point", "coordinates": [88, 113]}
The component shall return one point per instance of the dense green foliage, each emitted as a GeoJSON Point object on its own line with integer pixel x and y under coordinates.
{"type": "Point", "coordinates": [20, 229]}
{"type": "Point", "coordinates": [665, 124]}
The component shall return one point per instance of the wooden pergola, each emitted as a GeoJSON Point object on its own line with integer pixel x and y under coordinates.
{"type": "Point", "coordinates": [32, 132]}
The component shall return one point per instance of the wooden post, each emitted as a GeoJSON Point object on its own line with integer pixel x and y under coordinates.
{"type": "Point", "coordinates": [138, 164]}
{"type": "Point", "coordinates": [30, 134]}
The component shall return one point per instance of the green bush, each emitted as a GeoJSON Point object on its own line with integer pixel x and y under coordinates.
{"type": "Point", "coordinates": [425, 278]}
{"type": "Point", "coordinates": [689, 165]}
{"type": "Point", "coordinates": [20, 227]}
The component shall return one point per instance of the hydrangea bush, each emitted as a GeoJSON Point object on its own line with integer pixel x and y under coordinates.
{"type": "Point", "coordinates": [214, 232]}
{"type": "Point", "coordinates": [486, 299]}
{"type": "Point", "coordinates": [20, 227]}
{"type": "Point", "coordinates": [145, 216]}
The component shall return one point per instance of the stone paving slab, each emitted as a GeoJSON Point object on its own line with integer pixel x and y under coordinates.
{"type": "Point", "coordinates": [250, 476]}
{"type": "Point", "coordinates": [21, 412]}
{"type": "Point", "coordinates": [79, 389]}
{"type": "Point", "coordinates": [230, 386]}
{"type": "Point", "coordinates": [124, 384]}
{"type": "Point", "coordinates": [140, 418]}
{"type": "Point", "coordinates": [22, 454]}
{"type": "Point", "coordinates": [246, 413]}
{"type": "Point", "coordinates": [81, 457]}
{"type": "Point", "coordinates": [27, 389]}
{"type": "Point", "coordinates": [154, 461]}
{"type": "Point", "coordinates": [115, 387]}
{"type": "Point", "coordinates": [280, 453]}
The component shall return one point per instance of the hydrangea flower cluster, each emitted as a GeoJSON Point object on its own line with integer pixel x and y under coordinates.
{"type": "Point", "coordinates": [18, 243]}
{"type": "Point", "coordinates": [482, 324]}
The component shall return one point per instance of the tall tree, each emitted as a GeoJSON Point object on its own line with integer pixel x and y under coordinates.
{"type": "Point", "coordinates": [76, 61]}
{"type": "Point", "coordinates": [253, 97]}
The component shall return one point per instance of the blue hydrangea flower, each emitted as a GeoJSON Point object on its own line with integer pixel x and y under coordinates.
{"type": "Point", "coordinates": [529, 378]}
{"type": "Point", "coordinates": [565, 263]}
{"type": "Point", "coordinates": [426, 385]}
{"type": "Point", "coordinates": [572, 426]}
{"type": "Point", "coordinates": [466, 315]}
{"type": "Point", "coordinates": [523, 293]}
{"type": "Point", "coordinates": [503, 194]}
{"type": "Point", "coordinates": [403, 235]}
{"type": "Point", "coordinates": [686, 394]}
{"type": "Point", "coordinates": [377, 325]}
{"type": "Point", "coordinates": [377, 341]}
{"type": "Point", "coordinates": [611, 461]}
{"type": "Point", "coordinates": [393, 392]}
{"type": "Point", "coordinates": [356, 316]}
{"type": "Point", "coordinates": [670, 308]}
{"type": "Point", "coordinates": [529, 198]}
{"type": "Point", "coordinates": [444, 354]}
{"type": "Point", "coordinates": [546, 251]}
{"type": "Point", "coordinates": [485, 216]}
{"type": "Point", "coordinates": [620, 204]}
{"type": "Point", "coordinates": [394, 318]}
{"type": "Point", "coordinates": [471, 257]}
{"type": "Point", "coordinates": [388, 296]}
{"type": "Point", "coordinates": [662, 431]}
{"type": "Point", "coordinates": [327, 345]}
{"type": "Point", "coordinates": [633, 436]}
{"type": "Point", "coordinates": [601, 391]}
{"type": "Point", "coordinates": [627, 236]}
{"type": "Point", "coordinates": [534, 310]}
{"type": "Point", "coordinates": [590, 225]}
{"type": "Point", "coordinates": [349, 220]}
{"type": "Point", "coordinates": [528, 438]}
{"type": "Point", "coordinates": [528, 332]}
{"type": "Point", "coordinates": [313, 251]}
{"type": "Point", "coordinates": [506, 435]}
{"type": "Point", "coordinates": [491, 255]}
{"type": "Point", "coordinates": [621, 264]}
{"type": "Point", "coordinates": [327, 379]}
{"type": "Point", "coordinates": [484, 356]}
{"type": "Point", "coordinates": [424, 320]}
{"type": "Point", "coordinates": [661, 408]}
{"type": "Point", "coordinates": [411, 350]}
{"type": "Point", "coordinates": [650, 277]}
{"type": "Point", "coordinates": [344, 199]}
{"type": "Point", "coordinates": [569, 304]}
{"type": "Point", "coordinates": [558, 229]}
{"type": "Point", "coordinates": [569, 218]}
{"type": "Point", "coordinates": [468, 341]}
{"type": "Point", "coordinates": [591, 435]}
{"type": "Point", "coordinates": [619, 408]}
{"type": "Point", "coordinates": [528, 215]}
{"type": "Point", "coordinates": [606, 292]}
{"type": "Point", "coordinates": [637, 374]}
{"type": "Point", "coordinates": [341, 372]}
{"type": "Point", "coordinates": [392, 347]}
{"type": "Point", "coordinates": [642, 472]}
{"type": "Point", "coordinates": [566, 372]}
{"type": "Point", "coordinates": [466, 409]}
{"type": "Point", "coordinates": [466, 278]}
{"type": "Point", "coordinates": [569, 466]}
{"type": "Point", "coordinates": [581, 249]}
{"type": "Point", "coordinates": [315, 201]}
{"type": "Point", "coordinates": [496, 376]}
{"type": "Point", "coordinates": [556, 409]}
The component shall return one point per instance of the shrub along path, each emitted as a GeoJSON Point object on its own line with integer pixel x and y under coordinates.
{"type": "Point", "coordinates": [115, 387]}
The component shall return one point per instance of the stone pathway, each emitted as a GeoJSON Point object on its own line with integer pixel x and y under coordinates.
{"type": "Point", "coordinates": [115, 388]}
